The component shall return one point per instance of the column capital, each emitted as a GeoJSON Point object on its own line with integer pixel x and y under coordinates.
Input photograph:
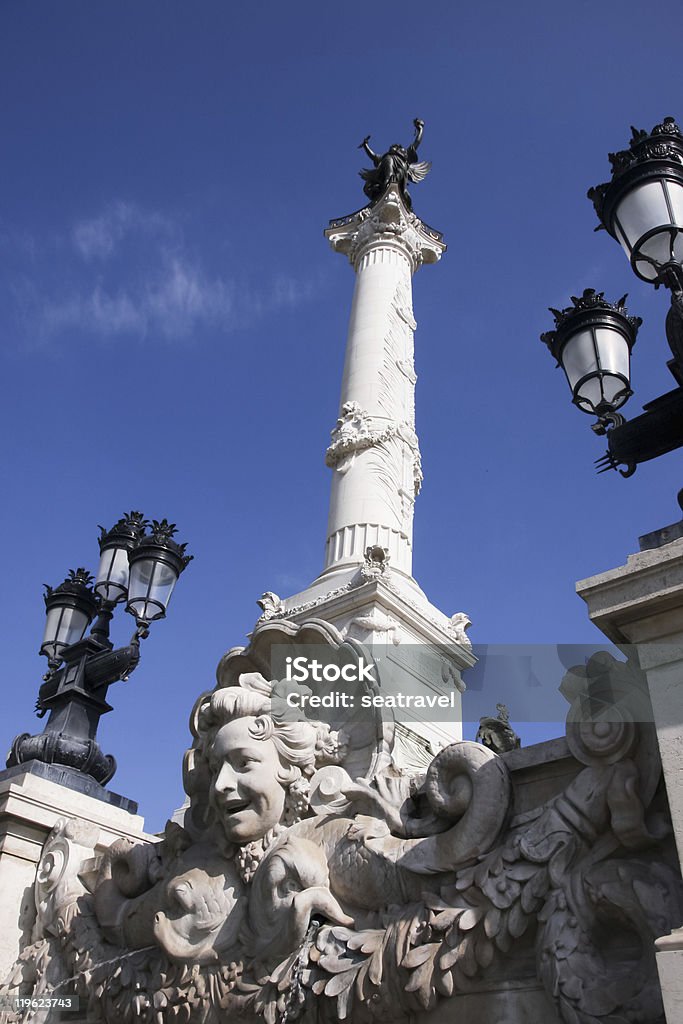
{"type": "Point", "coordinates": [388, 223]}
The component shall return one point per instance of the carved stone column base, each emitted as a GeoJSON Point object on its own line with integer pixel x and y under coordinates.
{"type": "Point", "coordinates": [347, 547]}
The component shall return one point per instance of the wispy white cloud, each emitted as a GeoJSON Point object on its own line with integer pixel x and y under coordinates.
{"type": "Point", "coordinates": [98, 312]}
{"type": "Point", "coordinates": [177, 300]}
{"type": "Point", "coordinates": [129, 272]}
{"type": "Point", "coordinates": [184, 296]}
{"type": "Point", "coordinates": [97, 237]}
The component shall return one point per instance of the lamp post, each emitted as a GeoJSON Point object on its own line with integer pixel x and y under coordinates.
{"type": "Point", "coordinates": [136, 567]}
{"type": "Point", "coordinates": [642, 208]}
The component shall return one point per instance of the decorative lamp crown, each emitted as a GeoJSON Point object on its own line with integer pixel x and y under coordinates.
{"type": "Point", "coordinates": [78, 582]}
{"type": "Point", "coordinates": [130, 527]}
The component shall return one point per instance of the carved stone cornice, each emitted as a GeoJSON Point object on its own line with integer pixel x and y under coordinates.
{"type": "Point", "coordinates": [456, 627]}
{"type": "Point", "coordinates": [386, 222]}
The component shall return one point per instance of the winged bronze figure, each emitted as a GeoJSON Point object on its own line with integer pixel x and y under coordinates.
{"type": "Point", "coordinates": [398, 165]}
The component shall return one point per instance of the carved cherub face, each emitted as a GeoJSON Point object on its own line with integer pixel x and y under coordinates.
{"type": "Point", "coordinates": [245, 788]}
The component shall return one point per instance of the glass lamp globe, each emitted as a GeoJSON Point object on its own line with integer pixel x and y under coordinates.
{"type": "Point", "coordinates": [111, 583]}
{"type": "Point", "coordinates": [592, 342]}
{"type": "Point", "coordinates": [70, 609]}
{"type": "Point", "coordinates": [155, 565]}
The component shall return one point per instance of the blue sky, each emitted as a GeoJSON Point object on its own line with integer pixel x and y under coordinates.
{"type": "Point", "coordinates": [173, 322]}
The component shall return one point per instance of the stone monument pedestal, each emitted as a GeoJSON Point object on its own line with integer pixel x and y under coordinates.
{"type": "Point", "coordinates": [641, 603]}
{"type": "Point", "coordinates": [33, 797]}
{"type": "Point", "coordinates": [418, 648]}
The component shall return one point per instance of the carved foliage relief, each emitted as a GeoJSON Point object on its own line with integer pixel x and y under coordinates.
{"type": "Point", "coordinates": [312, 881]}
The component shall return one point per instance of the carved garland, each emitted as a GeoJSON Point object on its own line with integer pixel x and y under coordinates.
{"type": "Point", "coordinates": [353, 434]}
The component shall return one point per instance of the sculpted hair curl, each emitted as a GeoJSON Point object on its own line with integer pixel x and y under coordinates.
{"type": "Point", "coordinates": [302, 746]}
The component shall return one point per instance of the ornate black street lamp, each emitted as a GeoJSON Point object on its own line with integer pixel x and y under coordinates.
{"type": "Point", "coordinates": [135, 566]}
{"type": "Point", "coordinates": [642, 208]}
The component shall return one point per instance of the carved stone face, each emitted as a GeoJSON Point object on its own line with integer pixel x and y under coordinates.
{"type": "Point", "coordinates": [245, 791]}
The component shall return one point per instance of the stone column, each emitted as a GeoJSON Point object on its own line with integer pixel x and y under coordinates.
{"type": "Point", "coordinates": [374, 449]}
{"type": "Point", "coordinates": [366, 589]}
{"type": "Point", "coordinates": [641, 603]}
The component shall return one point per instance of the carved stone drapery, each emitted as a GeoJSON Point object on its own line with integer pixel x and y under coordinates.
{"type": "Point", "coordinates": [354, 433]}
